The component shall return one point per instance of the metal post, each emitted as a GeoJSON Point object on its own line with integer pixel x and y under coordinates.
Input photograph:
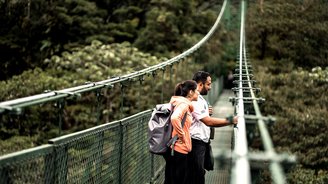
{"type": "Point", "coordinates": [98, 96]}
{"type": "Point", "coordinates": [122, 100]}
{"type": "Point", "coordinates": [60, 106]}
{"type": "Point", "coordinates": [163, 83]}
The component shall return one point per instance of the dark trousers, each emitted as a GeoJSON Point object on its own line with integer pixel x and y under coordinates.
{"type": "Point", "coordinates": [196, 161]}
{"type": "Point", "coordinates": [176, 169]}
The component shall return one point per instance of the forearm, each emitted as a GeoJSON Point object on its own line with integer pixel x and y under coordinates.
{"type": "Point", "coordinates": [216, 122]}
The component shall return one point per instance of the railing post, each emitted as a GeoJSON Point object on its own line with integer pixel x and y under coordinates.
{"type": "Point", "coordinates": [154, 86]}
{"type": "Point", "coordinates": [98, 109]}
{"type": "Point", "coordinates": [49, 168]}
{"type": "Point", "coordinates": [120, 174]}
{"type": "Point", "coordinates": [58, 159]}
{"type": "Point", "coordinates": [61, 164]}
{"type": "Point", "coordinates": [122, 100]}
{"type": "Point", "coordinates": [60, 105]}
{"type": "Point", "coordinates": [171, 73]}
{"type": "Point", "coordinates": [141, 79]}
{"type": "Point", "coordinates": [163, 82]}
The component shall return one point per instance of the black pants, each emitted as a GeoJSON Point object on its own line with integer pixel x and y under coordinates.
{"type": "Point", "coordinates": [196, 161]}
{"type": "Point", "coordinates": [176, 169]}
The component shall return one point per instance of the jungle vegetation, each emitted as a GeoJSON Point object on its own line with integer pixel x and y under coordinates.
{"type": "Point", "coordinates": [52, 45]}
{"type": "Point", "coordinates": [55, 44]}
{"type": "Point", "coordinates": [289, 49]}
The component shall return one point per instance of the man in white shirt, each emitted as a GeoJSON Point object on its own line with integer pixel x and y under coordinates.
{"type": "Point", "coordinates": [200, 127]}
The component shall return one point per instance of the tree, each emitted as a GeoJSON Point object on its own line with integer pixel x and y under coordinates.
{"type": "Point", "coordinates": [285, 30]}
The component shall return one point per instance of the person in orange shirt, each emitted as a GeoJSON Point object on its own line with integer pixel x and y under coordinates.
{"type": "Point", "coordinates": [176, 169]}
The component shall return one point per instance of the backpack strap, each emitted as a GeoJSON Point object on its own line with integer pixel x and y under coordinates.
{"type": "Point", "coordinates": [184, 119]}
{"type": "Point", "coordinates": [175, 138]}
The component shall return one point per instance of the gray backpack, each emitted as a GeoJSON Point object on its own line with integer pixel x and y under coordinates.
{"type": "Point", "coordinates": [160, 129]}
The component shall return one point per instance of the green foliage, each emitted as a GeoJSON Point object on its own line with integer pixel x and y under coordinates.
{"type": "Point", "coordinates": [54, 26]}
{"type": "Point", "coordinates": [287, 35]}
{"type": "Point", "coordinates": [99, 61]}
{"type": "Point", "coordinates": [29, 83]}
{"type": "Point", "coordinates": [171, 25]}
{"type": "Point", "coordinates": [290, 30]}
{"type": "Point", "coordinates": [297, 98]}
{"type": "Point", "coordinates": [16, 143]}
{"type": "Point", "coordinates": [161, 32]}
{"type": "Point", "coordinates": [21, 33]}
{"type": "Point", "coordinates": [51, 27]}
{"type": "Point", "coordinates": [93, 63]}
{"type": "Point", "coordinates": [304, 176]}
{"type": "Point", "coordinates": [68, 25]}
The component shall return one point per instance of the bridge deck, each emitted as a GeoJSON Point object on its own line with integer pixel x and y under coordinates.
{"type": "Point", "coordinates": [222, 140]}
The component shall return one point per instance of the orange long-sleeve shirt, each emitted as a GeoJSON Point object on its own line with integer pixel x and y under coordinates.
{"type": "Point", "coordinates": [182, 105]}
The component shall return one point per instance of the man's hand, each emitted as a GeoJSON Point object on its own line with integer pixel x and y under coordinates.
{"type": "Point", "coordinates": [210, 110]}
{"type": "Point", "coordinates": [235, 120]}
{"type": "Point", "coordinates": [232, 119]}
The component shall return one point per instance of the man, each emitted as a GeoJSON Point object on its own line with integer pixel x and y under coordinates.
{"type": "Point", "coordinates": [200, 127]}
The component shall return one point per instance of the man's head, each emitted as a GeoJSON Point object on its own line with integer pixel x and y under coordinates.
{"type": "Point", "coordinates": [204, 82]}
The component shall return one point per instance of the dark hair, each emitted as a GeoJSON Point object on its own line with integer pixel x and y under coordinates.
{"type": "Point", "coordinates": [201, 76]}
{"type": "Point", "coordinates": [182, 88]}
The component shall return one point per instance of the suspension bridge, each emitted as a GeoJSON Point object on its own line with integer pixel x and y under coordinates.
{"type": "Point", "coordinates": [117, 152]}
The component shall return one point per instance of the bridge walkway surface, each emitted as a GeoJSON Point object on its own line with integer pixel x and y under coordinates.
{"type": "Point", "coordinates": [222, 140]}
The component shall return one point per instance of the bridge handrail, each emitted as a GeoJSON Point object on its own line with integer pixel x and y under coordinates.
{"type": "Point", "coordinates": [55, 161]}
{"type": "Point", "coordinates": [55, 95]}
{"type": "Point", "coordinates": [57, 158]}
{"type": "Point", "coordinates": [242, 164]}
{"type": "Point", "coordinates": [242, 157]}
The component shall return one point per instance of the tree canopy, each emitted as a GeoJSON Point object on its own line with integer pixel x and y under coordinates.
{"type": "Point", "coordinates": [55, 44]}
{"type": "Point", "coordinates": [288, 45]}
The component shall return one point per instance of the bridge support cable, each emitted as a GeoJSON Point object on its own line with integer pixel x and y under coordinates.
{"type": "Point", "coordinates": [53, 96]}
{"type": "Point", "coordinates": [106, 153]}
{"type": "Point", "coordinates": [248, 112]}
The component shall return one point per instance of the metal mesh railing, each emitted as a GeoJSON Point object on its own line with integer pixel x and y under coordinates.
{"type": "Point", "coordinates": [115, 152]}
{"type": "Point", "coordinates": [67, 110]}
{"type": "Point", "coordinates": [28, 166]}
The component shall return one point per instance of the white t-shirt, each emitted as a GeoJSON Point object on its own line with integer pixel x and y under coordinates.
{"type": "Point", "coordinates": [198, 129]}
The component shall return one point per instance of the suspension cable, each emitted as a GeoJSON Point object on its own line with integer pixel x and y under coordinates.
{"type": "Point", "coordinates": [51, 96]}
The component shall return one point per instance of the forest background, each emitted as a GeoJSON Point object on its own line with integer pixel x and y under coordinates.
{"type": "Point", "coordinates": [55, 44]}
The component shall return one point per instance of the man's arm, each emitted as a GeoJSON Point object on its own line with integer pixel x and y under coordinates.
{"type": "Point", "coordinates": [218, 122]}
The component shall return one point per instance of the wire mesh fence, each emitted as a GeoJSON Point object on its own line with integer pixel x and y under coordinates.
{"type": "Point", "coordinates": [115, 152]}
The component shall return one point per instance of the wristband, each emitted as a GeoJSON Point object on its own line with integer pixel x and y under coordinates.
{"type": "Point", "coordinates": [230, 119]}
